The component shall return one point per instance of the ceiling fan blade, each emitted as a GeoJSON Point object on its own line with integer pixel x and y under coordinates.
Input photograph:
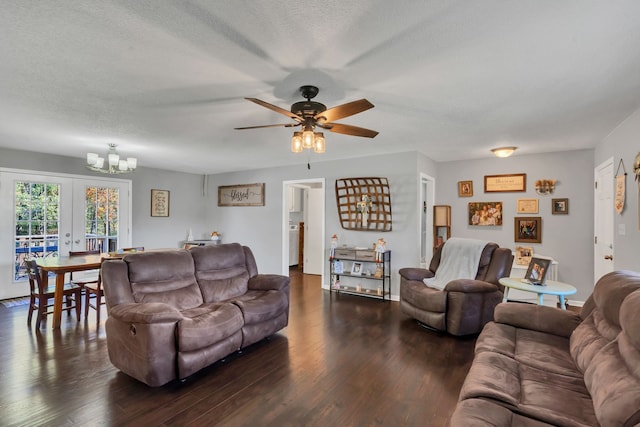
{"type": "Point", "coordinates": [286, 125]}
{"type": "Point", "coordinates": [276, 109]}
{"type": "Point", "coordinates": [350, 130]}
{"type": "Point", "coordinates": [344, 110]}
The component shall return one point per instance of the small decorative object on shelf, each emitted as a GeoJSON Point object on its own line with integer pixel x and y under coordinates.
{"type": "Point", "coordinates": [215, 236]}
{"type": "Point", "coordinates": [334, 245]}
{"type": "Point", "coordinates": [380, 250]}
{"type": "Point", "coordinates": [361, 266]}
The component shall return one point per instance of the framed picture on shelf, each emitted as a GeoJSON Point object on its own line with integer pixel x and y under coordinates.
{"type": "Point", "coordinates": [465, 188]}
{"type": "Point", "coordinates": [356, 268]}
{"type": "Point", "coordinates": [338, 267]}
{"type": "Point", "coordinates": [560, 206]}
{"type": "Point", "coordinates": [537, 271]}
{"type": "Point", "coordinates": [523, 255]}
{"type": "Point", "coordinates": [528, 229]}
{"type": "Point", "coordinates": [485, 213]}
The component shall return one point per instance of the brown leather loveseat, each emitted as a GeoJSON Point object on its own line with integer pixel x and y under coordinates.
{"type": "Point", "coordinates": [174, 312]}
{"type": "Point", "coordinates": [541, 366]}
{"type": "Point", "coordinates": [464, 306]}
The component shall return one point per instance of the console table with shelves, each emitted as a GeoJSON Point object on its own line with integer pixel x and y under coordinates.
{"type": "Point", "coordinates": [355, 271]}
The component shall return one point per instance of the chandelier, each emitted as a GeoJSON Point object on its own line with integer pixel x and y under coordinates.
{"type": "Point", "coordinates": [308, 139]}
{"type": "Point", "coordinates": [114, 163]}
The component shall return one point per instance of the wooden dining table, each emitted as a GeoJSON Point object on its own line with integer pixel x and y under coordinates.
{"type": "Point", "coordinates": [60, 265]}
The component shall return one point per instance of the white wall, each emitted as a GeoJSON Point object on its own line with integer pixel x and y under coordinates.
{"type": "Point", "coordinates": [261, 227]}
{"type": "Point", "coordinates": [624, 143]}
{"type": "Point", "coordinates": [566, 238]}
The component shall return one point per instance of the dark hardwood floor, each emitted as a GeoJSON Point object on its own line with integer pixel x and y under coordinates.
{"type": "Point", "coordinates": [342, 361]}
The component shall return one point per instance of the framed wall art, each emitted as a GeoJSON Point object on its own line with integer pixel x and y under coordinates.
{"type": "Point", "coordinates": [465, 188]}
{"type": "Point", "coordinates": [160, 203]}
{"type": "Point", "coordinates": [528, 206]}
{"type": "Point", "coordinates": [241, 195]}
{"type": "Point", "coordinates": [505, 183]}
{"type": "Point", "coordinates": [560, 206]}
{"type": "Point", "coordinates": [485, 213]}
{"type": "Point", "coordinates": [528, 229]}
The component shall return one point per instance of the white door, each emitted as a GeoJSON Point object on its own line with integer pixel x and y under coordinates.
{"type": "Point", "coordinates": [603, 219]}
{"type": "Point", "coordinates": [46, 215]}
{"type": "Point", "coordinates": [313, 231]}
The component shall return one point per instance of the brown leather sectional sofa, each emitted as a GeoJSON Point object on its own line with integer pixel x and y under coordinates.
{"type": "Point", "coordinates": [172, 313]}
{"type": "Point", "coordinates": [539, 366]}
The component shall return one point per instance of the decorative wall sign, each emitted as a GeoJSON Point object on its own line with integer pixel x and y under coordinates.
{"type": "Point", "coordinates": [504, 183]}
{"type": "Point", "coordinates": [528, 229]}
{"type": "Point", "coordinates": [465, 188]}
{"type": "Point", "coordinates": [529, 206]}
{"type": "Point", "coordinates": [159, 202]}
{"type": "Point", "coordinates": [364, 203]}
{"type": "Point", "coordinates": [241, 195]}
{"type": "Point", "coordinates": [620, 187]}
{"type": "Point", "coordinates": [485, 213]}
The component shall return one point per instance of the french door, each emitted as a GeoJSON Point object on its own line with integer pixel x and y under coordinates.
{"type": "Point", "coordinates": [49, 215]}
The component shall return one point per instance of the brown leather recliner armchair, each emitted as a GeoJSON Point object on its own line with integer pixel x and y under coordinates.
{"type": "Point", "coordinates": [464, 306]}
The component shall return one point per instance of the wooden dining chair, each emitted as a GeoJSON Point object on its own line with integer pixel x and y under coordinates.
{"type": "Point", "coordinates": [93, 292]}
{"type": "Point", "coordinates": [85, 280]}
{"type": "Point", "coordinates": [41, 298]}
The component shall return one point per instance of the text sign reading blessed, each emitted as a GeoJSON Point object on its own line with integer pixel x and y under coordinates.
{"type": "Point", "coordinates": [241, 195]}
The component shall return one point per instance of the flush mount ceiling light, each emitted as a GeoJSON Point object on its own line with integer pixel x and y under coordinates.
{"type": "Point", "coordinates": [114, 164]}
{"type": "Point", "coordinates": [503, 151]}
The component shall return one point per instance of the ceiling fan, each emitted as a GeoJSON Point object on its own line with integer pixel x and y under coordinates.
{"type": "Point", "coordinates": [310, 114]}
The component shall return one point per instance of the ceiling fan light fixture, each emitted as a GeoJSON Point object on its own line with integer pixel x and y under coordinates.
{"type": "Point", "coordinates": [503, 151]}
{"type": "Point", "coordinates": [296, 142]}
{"type": "Point", "coordinates": [319, 143]}
{"type": "Point", "coordinates": [307, 138]}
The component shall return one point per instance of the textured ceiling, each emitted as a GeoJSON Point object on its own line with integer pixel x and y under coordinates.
{"type": "Point", "coordinates": [165, 80]}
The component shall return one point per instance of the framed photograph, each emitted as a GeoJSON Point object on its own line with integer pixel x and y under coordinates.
{"type": "Point", "coordinates": [356, 268]}
{"type": "Point", "coordinates": [159, 202]}
{"type": "Point", "coordinates": [560, 206]}
{"type": "Point", "coordinates": [527, 206]}
{"type": "Point", "coordinates": [537, 271]}
{"type": "Point", "coordinates": [465, 188]}
{"type": "Point", "coordinates": [485, 213]}
{"type": "Point", "coordinates": [505, 183]}
{"type": "Point", "coordinates": [337, 267]}
{"type": "Point", "coordinates": [528, 229]}
{"type": "Point", "coordinates": [241, 195]}
{"type": "Point", "coordinates": [523, 255]}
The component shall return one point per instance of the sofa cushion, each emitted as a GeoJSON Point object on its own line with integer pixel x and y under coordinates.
{"type": "Point", "coordinates": [484, 413]}
{"type": "Point", "coordinates": [221, 271]}
{"type": "Point", "coordinates": [536, 393]}
{"type": "Point", "coordinates": [164, 276]}
{"type": "Point", "coordinates": [613, 376]}
{"type": "Point", "coordinates": [208, 324]}
{"type": "Point", "coordinates": [537, 349]}
{"type": "Point", "coordinates": [260, 306]}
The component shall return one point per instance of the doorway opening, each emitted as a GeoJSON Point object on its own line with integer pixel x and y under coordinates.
{"type": "Point", "coordinates": [303, 222]}
{"type": "Point", "coordinates": [425, 207]}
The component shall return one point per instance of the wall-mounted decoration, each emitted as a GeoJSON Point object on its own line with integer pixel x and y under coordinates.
{"type": "Point", "coordinates": [485, 213]}
{"type": "Point", "coordinates": [523, 255]}
{"type": "Point", "coordinates": [159, 202]}
{"type": "Point", "coordinates": [636, 170]}
{"type": "Point", "coordinates": [621, 182]}
{"type": "Point", "coordinates": [560, 206]}
{"type": "Point", "coordinates": [528, 229]}
{"type": "Point", "coordinates": [465, 188]}
{"type": "Point", "coordinates": [241, 195]}
{"type": "Point", "coordinates": [505, 183]}
{"type": "Point", "coordinates": [527, 206]}
{"type": "Point", "coordinates": [364, 203]}
{"type": "Point", "coordinates": [545, 186]}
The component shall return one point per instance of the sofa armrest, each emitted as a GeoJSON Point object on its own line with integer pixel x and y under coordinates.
{"type": "Point", "coordinates": [470, 286]}
{"type": "Point", "coordinates": [537, 318]}
{"type": "Point", "coordinates": [413, 273]}
{"type": "Point", "coordinates": [266, 282]}
{"type": "Point", "coordinates": [152, 312]}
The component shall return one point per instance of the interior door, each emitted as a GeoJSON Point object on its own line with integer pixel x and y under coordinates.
{"type": "Point", "coordinates": [603, 220]}
{"type": "Point", "coordinates": [313, 233]}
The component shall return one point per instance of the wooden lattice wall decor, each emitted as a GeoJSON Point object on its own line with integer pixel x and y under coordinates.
{"type": "Point", "coordinates": [364, 203]}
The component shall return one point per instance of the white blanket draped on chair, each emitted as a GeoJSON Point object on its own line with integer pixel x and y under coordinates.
{"type": "Point", "coordinates": [460, 259]}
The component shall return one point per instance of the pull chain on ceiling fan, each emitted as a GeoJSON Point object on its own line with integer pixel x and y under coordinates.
{"type": "Point", "coordinates": [310, 114]}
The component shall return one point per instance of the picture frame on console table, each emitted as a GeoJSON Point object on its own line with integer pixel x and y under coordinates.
{"type": "Point", "coordinates": [537, 271]}
{"type": "Point", "coordinates": [528, 229]}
